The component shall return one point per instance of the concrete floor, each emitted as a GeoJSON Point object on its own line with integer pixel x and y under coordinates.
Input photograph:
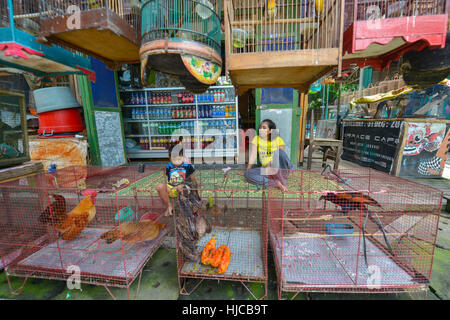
{"type": "Point", "coordinates": [159, 280]}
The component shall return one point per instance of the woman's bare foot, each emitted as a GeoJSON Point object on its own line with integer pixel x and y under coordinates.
{"type": "Point", "coordinates": [281, 187]}
{"type": "Point", "coordinates": [168, 212]}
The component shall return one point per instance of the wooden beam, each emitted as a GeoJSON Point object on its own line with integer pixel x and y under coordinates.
{"type": "Point", "coordinates": [283, 59]}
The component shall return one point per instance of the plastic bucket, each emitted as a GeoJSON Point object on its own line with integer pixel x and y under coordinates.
{"type": "Point", "coordinates": [54, 98]}
{"type": "Point", "coordinates": [60, 121]}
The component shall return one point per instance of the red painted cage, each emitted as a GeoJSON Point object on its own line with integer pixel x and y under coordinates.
{"type": "Point", "coordinates": [320, 241]}
{"type": "Point", "coordinates": [31, 241]}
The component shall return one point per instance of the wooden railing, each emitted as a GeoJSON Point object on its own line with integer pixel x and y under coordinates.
{"type": "Point", "coordinates": [363, 10]}
{"type": "Point", "coordinates": [27, 13]}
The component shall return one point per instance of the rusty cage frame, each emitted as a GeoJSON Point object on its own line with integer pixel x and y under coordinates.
{"type": "Point", "coordinates": [317, 248]}
{"type": "Point", "coordinates": [32, 249]}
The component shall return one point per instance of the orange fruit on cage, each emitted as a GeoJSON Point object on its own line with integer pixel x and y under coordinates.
{"type": "Point", "coordinates": [225, 260]}
{"type": "Point", "coordinates": [219, 257]}
{"type": "Point", "coordinates": [208, 251]}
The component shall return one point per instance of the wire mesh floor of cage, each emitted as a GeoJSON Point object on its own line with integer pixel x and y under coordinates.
{"type": "Point", "coordinates": [246, 262]}
{"type": "Point", "coordinates": [99, 263]}
{"type": "Point", "coordinates": [310, 261]}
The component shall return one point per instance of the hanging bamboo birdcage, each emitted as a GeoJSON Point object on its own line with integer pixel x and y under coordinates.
{"type": "Point", "coordinates": [182, 38]}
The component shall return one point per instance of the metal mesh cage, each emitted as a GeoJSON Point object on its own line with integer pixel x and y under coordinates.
{"type": "Point", "coordinates": [31, 244]}
{"type": "Point", "coordinates": [323, 235]}
{"type": "Point", "coordinates": [235, 211]}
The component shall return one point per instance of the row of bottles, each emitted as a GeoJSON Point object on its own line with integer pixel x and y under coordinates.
{"type": "Point", "coordinates": [217, 111]}
{"type": "Point", "coordinates": [171, 97]}
{"type": "Point", "coordinates": [188, 112]}
{"type": "Point", "coordinates": [164, 143]}
{"type": "Point", "coordinates": [170, 127]}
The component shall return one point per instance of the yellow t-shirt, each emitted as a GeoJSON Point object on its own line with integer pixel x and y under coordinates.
{"type": "Point", "coordinates": [266, 148]}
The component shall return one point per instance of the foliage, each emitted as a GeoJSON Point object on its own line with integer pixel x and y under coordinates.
{"type": "Point", "coordinates": [315, 99]}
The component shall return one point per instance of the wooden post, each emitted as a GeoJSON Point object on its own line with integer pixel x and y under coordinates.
{"type": "Point", "coordinates": [303, 101]}
{"type": "Point", "coordinates": [338, 111]}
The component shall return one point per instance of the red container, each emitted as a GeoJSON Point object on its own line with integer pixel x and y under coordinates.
{"type": "Point", "coordinates": [60, 121]}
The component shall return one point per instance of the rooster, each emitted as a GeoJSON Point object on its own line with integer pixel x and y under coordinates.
{"type": "Point", "coordinates": [76, 220]}
{"type": "Point", "coordinates": [358, 201]}
{"type": "Point", "coordinates": [350, 200]}
{"type": "Point", "coordinates": [134, 231]}
{"type": "Point", "coordinates": [55, 212]}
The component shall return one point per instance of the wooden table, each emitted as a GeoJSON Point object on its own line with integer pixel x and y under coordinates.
{"type": "Point", "coordinates": [327, 145]}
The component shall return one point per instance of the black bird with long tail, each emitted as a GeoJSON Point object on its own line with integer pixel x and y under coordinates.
{"type": "Point", "coordinates": [349, 201]}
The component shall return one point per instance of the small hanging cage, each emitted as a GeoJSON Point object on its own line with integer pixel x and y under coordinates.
{"type": "Point", "coordinates": [182, 38]}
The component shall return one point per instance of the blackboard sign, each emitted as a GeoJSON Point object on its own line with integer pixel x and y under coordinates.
{"type": "Point", "coordinates": [371, 143]}
{"type": "Point", "coordinates": [110, 140]}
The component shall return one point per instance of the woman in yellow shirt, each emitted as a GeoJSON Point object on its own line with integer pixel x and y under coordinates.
{"type": "Point", "coordinates": [270, 149]}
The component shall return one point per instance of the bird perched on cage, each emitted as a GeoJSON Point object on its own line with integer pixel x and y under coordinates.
{"type": "Point", "coordinates": [134, 231]}
{"type": "Point", "coordinates": [358, 201]}
{"type": "Point", "coordinates": [55, 212]}
{"type": "Point", "coordinates": [319, 6]}
{"type": "Point", "coordinates": [271, 9]}
{"type": "Point", "coordinates": [78, 218]}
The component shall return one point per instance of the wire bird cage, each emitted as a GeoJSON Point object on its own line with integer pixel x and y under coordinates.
{"type": "Point", "coordinates": [237, 217]}
{"type": "Point", "coordinates": [108, 30]}
{"type": "Point", "coordinates": [35, 244]}
{"type": "Point", "coordinates": [182, 38]}
{"type": "Point", "coordinates": [394, 27]}
{"type": "Point", "coordinates": [19, 26]}
{"type": "Point", "coordinates": [298, 39]}
{"type": "Point", "coordinates": [323, 243]}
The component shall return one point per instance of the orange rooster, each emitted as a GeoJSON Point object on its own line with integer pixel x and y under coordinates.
{"type": "Point", "coordinates": [55, 212]}
{"type": "Point", "coordinates": [134, 231]}
{"type": "Point", "coordinates": [77, 219]}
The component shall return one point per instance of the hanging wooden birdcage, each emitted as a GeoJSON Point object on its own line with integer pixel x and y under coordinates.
{"type": "Point", "coordinates": [19, 25]}
{"type": "Point", "coordinates": [182, 38]}
{"type": "Point", "coordinates": [105, 29]}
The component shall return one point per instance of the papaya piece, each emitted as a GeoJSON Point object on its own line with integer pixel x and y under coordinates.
{"type": "Point", "coordinates": [225, 261]}
{"type": "Point", "coordinates": [208, 251]}
{"type": "Point", "coordinates": [217, 256]}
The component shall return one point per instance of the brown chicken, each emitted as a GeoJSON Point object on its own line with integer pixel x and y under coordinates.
{"type": "Point", "coordinates": [55, 212]}
{"type": "Point", "coordinates": [134, 231]}
{"type": "Point", "coordinates": [77, 219]}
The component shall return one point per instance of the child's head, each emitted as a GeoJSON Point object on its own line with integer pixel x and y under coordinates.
{"type": "Point", "coordinates": [176, 154]}
{"type": "Point", "coordinates": [265, 129]}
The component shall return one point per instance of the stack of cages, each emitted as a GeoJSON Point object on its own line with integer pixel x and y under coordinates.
{"type": "Point", "coordinates": [321, 235]}
{"type": "Point", "coordinates": [236, 213]}
{"type": "Point", "coordinates": [40, 239]}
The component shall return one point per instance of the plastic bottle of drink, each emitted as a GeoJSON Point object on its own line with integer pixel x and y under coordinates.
{"type": "Point", "coordinates": [132, 99]}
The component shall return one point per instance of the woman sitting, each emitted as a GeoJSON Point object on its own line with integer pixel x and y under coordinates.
{"type": "Point", "coordinates": [271, 151]}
